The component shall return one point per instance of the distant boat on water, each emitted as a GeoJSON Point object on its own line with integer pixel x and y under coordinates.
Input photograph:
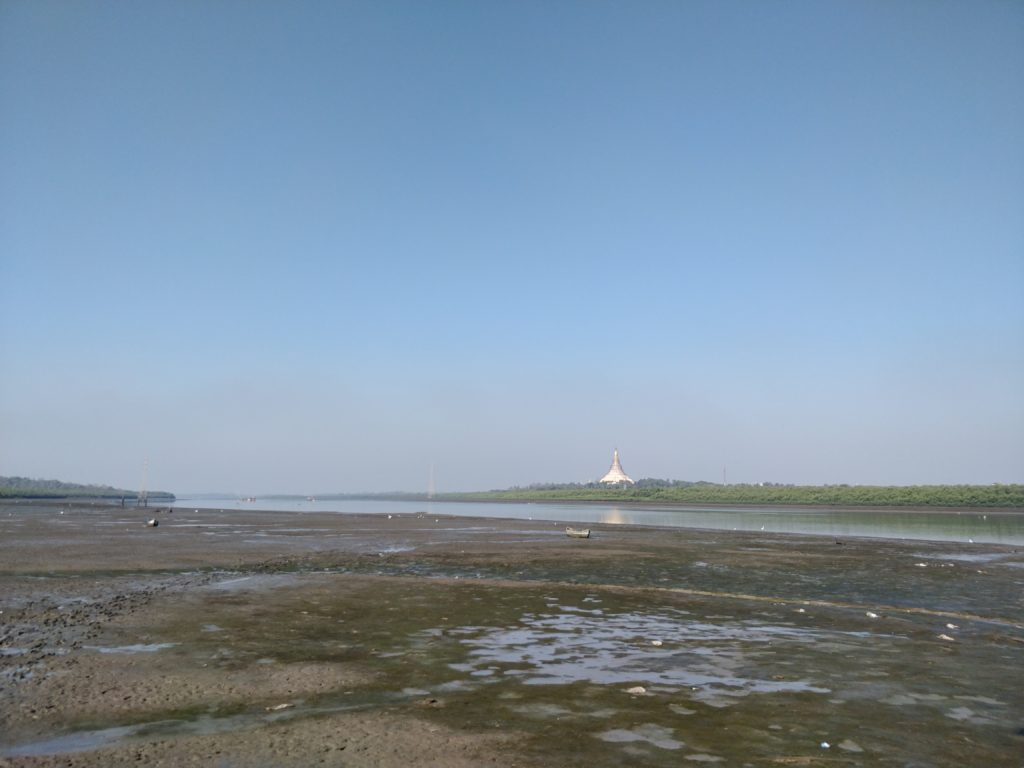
{"type": "Point", "coordinates": [578, 533]}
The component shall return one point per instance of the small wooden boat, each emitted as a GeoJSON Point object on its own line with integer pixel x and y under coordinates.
{"type": "Point", "coordinates": [578, 533]}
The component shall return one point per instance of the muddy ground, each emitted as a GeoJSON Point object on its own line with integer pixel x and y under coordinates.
{"type": "Point", "coordinates": [285, 639]}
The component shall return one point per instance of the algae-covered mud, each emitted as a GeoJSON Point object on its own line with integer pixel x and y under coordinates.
{"type": "Point", "coordinates": [250, 638]}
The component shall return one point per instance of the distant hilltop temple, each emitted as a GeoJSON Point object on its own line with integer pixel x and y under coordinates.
{"type": "Point", "coordinates": [615, 475]}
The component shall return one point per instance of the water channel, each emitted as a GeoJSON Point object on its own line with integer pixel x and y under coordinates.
{"type": "Point", "coordinates": [978, 526]}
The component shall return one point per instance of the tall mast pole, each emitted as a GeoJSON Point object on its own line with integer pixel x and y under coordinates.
{"type": "Point", "coordinates": [143, 493]}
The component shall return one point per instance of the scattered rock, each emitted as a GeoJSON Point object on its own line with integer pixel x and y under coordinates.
{"type": "Point", "coordinates": [637, 690]}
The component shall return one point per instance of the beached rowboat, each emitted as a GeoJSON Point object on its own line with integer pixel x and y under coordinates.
{"type": "Point", "coordinates": [578, 533]}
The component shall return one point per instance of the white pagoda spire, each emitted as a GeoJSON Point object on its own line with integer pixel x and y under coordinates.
{"type": "Point", "coordinates": [615, 474]}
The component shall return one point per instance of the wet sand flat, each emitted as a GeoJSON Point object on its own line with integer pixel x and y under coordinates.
{"type": "Point", "coordinates": [247, 638]}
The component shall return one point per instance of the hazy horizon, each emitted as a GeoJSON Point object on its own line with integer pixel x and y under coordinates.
{"type": "Point", "coordinates": [319, 247]}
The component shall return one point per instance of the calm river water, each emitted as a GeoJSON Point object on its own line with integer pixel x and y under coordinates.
{"type": "Point", "coordinates": [990, 527]}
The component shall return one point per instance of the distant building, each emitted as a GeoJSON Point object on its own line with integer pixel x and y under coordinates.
{"type": "Point", "coordinates": [615, 475]}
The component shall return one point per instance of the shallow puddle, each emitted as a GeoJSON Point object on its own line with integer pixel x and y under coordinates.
{"type": "Point", "coordinates": [655, 735]}
{"type": "Point", "coordinates": [82, 741]}
{"type": "Point", "coordinates": [668, 651]}
{"type": "Point", "coordinates": [134, 648]}
{"type": "Point", "coordinates": [79, 741]}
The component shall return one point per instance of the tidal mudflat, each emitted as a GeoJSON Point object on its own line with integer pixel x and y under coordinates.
{"type": "Point", "coordinates": [247, 638]}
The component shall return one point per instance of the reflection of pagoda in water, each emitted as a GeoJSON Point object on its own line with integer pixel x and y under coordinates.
{"type": "Point", "coordinates": [615, 475]}
{"type": "Point", "coordinates": [613, 516]}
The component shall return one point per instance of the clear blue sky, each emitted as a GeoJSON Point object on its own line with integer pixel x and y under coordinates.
{"type": "Point", "coordinates": [316, 246]}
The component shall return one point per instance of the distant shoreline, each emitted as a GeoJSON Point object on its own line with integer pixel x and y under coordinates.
{"type": "Point", "coordinates": [160, 498]}
{"type": "Point", "coordinates": [695, 506]}
{"type": "Point", "coordinates": [698, 495]}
